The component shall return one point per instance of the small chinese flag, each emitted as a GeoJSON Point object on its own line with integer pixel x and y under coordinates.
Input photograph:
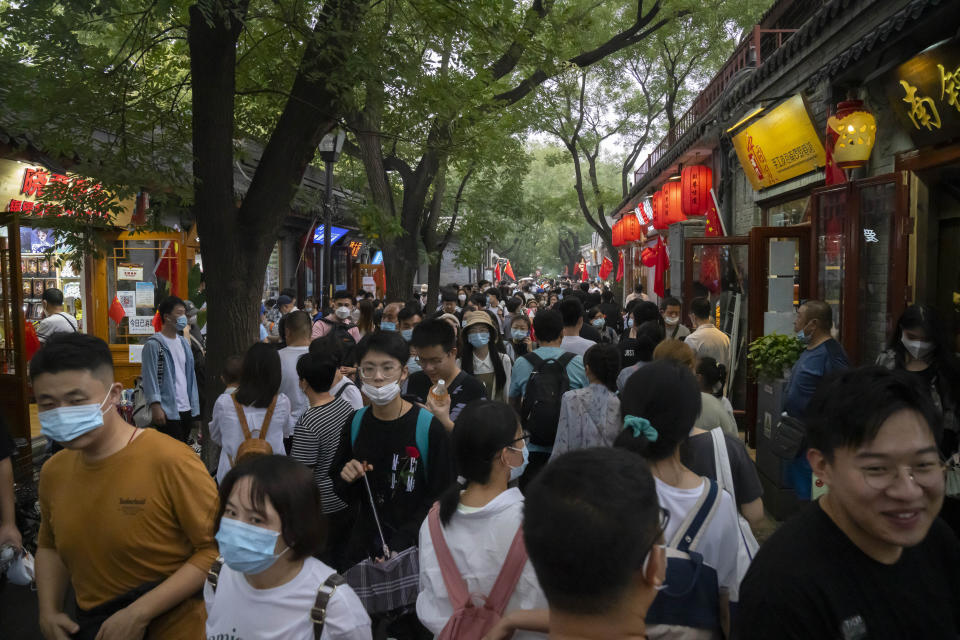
{"type": "Point", "coordinates": [620, 267]}
{"type": "Point", "coordinates": [663, 263]}
{"type": "Point", "coordinates": [509, 271]}
{"type": "Point", "coordinates": [584, 274]}
{"type": "Point", "coordinates": [496, 273]}
{"type": "Point", "coordinates": [606, 268]}
{"type": "Point", "coordinates": [157, 322]}
{"type": "Point", "coordinates": [116, 312]}
{"type": "Point", "coordinates": [714, 225]}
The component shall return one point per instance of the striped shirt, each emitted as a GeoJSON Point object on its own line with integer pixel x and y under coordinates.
{"type": "Point", "coordinates": [316, 437]}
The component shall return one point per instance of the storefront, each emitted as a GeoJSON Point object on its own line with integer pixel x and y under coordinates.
{"type": "Point", "coordinates": [350, 250]}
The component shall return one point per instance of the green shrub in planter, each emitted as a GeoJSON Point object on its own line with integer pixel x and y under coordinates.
{"type": "Point", "coordinates": [771, 355]}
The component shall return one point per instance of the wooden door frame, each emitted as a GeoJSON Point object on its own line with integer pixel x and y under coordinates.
{"type": "Point", "coordinates": [19, 407]}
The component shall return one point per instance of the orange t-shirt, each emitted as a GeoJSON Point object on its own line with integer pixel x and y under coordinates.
{"type": "Point", "coordinates": [132, 518]}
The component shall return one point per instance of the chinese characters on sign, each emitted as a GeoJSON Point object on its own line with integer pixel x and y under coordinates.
{"type": "Point", "coordinates": [355, 246]}
{"type": "Point", "coordinates": [924, 93]}
{"type": "Point", "coordinates": [32, 183]}
{"type": "Point", "coordinates": [923, 111]}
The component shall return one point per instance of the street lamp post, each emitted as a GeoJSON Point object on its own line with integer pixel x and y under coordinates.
{"type": "Point", "coordinates": [330, 147]}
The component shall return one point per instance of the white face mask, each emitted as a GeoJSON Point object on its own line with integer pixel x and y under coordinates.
{"type": "Point", "coordinates": [671, 320]}
{"type": "Point", "coordinates": [919, 349]}
{"type": "Point", "coordinates": [381, 395]}
{"type": "Point", "coordinates": [355, 315]}
{"type": "Point", "coordinates": [343, 312]}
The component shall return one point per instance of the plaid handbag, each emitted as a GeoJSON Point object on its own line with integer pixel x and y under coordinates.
{"type": "Point", "coordinates": [390, 584]}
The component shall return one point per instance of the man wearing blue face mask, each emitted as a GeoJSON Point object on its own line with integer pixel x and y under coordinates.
{"type": "Point", "coordinates": [169, 379]}
{"type": "Point", "coordinates": [126, 513]}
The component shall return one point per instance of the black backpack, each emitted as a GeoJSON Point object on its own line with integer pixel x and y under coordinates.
{"type": "Point", "coordinates": [540, 411]}
{"type": "Point", "coordinates": [341, 333]}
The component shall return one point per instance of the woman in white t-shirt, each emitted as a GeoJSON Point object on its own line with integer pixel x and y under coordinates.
{"type": "Point", "coordinates": [479, 519]}
{"type": "Point", "coordinates": [269, 526]}
{"type": "Point", "coordinates": [259, 388]}
{"type": "Point", "coordinates": [659, 405]}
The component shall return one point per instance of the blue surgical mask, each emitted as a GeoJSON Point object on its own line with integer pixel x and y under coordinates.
{"type": "Point", "coordinates": [599, 322]}
{"type": "Point", "coordinates": [413, 365]}
{"type": "Point", "coordinates": [64, 424]}
{"type": "Point", "coordinates": [519, 334]}
{"type": "Point", "coordinates": [246, 548]}
{"type": "Point", "coordinates": [629, 323]}
{"type": "Point", "coordinates": [478, 339]}
{"type": "Point", "coordinates": [516, 472]}
{"type": "Point", "coordinates": [386, 325]}
{"type": "Point", "coordinates": [181, 323]}
{"type": "Point", "coordinates": [407, 334]}
{"type": "Point", "coordinates": [802, 337]}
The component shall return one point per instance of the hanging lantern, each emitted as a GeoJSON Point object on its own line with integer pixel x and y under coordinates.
{"type": "Point", "coordinates": [658, 213]}
{"type": "Point", "coordinates": [631, 228]}
{"type": "Point", "coordinates": [856, 130]}
{"type": "Point", "coordinates": [618, 234]}
{"type": "Point", "coordinates": [671, 203]}
{"type": "Point", "coordinates": [695, 185]}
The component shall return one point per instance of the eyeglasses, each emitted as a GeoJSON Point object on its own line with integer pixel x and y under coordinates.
{"type": "Point", "coordinates": [388, 370]}
{"type": "Point", "coordinates": [525, 438]}
{"type": "Point", "coordinates": [926, 474]}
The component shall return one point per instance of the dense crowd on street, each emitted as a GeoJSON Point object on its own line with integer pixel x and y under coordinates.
{"type": "Point", "coordinates": [508, 460]}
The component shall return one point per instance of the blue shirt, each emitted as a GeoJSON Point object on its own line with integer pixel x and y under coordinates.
{"type": "Point", "coordinates": [522, 370]}
{"type": "Point", "coordinates": [810, 368]}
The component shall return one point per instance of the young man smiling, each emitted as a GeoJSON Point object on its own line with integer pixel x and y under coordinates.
{"type": "Point", "coordinates": [869, 559]}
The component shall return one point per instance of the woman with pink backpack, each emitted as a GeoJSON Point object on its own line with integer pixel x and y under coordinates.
{"type": "Point", "coordinates": [474, 571]}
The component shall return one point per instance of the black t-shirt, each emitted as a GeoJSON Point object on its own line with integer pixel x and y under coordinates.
{"type": "Point", "coordinates": [463, 390]}
{"type": "Point", "coordinates": [7, 447]}
{"type": "Point", "coordinates": [403, 497]}
{"type": "Point", "coordinates": [810, 581]}
{"type": "Point", "coordinates": [697, 455]}
{"type": "Point", "coordinates": [589, 332]}
{"type": "Point", "coordinates": [628, 350]}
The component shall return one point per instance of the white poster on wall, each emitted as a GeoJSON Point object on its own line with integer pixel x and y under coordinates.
{"type": "Point", "coordinates": [145, 294]}
{"type": "Point", "coordinates": [369, 284]}
{"type": "Point", "coordinates": [136, 354]}
{"type": "Point", "coordinates": [129, 272]}
{"type": "Point", "coordinates": [127, 301]}
{"type": "Point", "coordinates": [141, 326]}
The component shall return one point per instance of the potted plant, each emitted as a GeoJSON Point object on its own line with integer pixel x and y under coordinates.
{"type": "Point", "coordinates": [773, 355]}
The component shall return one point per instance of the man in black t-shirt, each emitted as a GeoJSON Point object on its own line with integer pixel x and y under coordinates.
{"type": "Point", "coordinates": [435, 343]}
{"type": "Point", "coordinates": [869, 559]}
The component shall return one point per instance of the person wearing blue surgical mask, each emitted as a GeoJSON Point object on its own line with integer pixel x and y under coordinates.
{"type": "Point", "coordinates": [483, 355]}
{"type": "Point", "coordinates": [169, 377]}
{"type": "Point", "coordinates": [129, 481]}
{"type": "Point", "coordinates": [270, 527]}
{"type": "Point", "coordinates": [479, 511]}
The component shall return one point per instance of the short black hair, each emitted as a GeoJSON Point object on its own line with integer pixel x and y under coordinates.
{"type": "Point", "coordinates": [589, 520]}
{"type": "Point", "coordinates": [72, 352]}
{"type": "Point", "coordinates": [513, 304]}
{"type": "Point", "coordinates": [342, 294]}
{"type": "Point", "coordinates": [53, 296]}
{"type": "Point", "coordinates": [389, 343]}
{"type": "Point", "coordinates": [408, 312]}
{"type": "Point", "coordinates": [848, 408]}
{"type": "Point", "coordinates": [169, 304]}
{"type": "Point", "coordinates": [548, 325]}
{"type": "Point", "coordinates": [571, 309]}
{"type": "Point", "coordinates": [432, 333]}
{"type": "Point", "coordinates": [260, 376]}
{"type": "Point", "coordinates": [493, 291]}
{"type": "Point", "coordinates": [297, 323]}
{"type": "Point", "coordinates": [604, 362]}
{"type": "Point", "coordinates": [479, 299]}
{"type": "Point", "coordinates": [291, 490]}
{"type": "Point", "coordinates": [666, 394]}
{"type": "Point", "coordinates": [318, 370]}
{"type": "Point", "coordinates": [701, 308]}
{"type": "Point", "coordinates": [330, 346]}
{"type": "Point", "coordinates": [670, 302]}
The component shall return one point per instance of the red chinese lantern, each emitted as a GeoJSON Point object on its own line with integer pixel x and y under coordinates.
{"type": "Point", "coordinates": [695, 185]}
{"type": "Point", "coordinates": [658, 213]}
{"type": "Point", "coordinates": [672, 210]}
{"type": "Point", "coordinates": [631, 228]}
{"type": "Point", "coordinates": [618, 234]}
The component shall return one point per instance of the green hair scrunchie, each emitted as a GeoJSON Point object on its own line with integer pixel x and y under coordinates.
{"type": "Point", "coordinates": [640, 427]}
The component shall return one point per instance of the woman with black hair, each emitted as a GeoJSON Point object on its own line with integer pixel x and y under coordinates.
{"type": "Point", "coordinates": [596, 319]}
{"type": "Point", "coordinates": [659, 406]}
{"type": "Point", "coordinates": [920, 345]}
{"type": "Point", "coordinates": [647, 336]}
{"type": "Point", "coordinates": [482, 355]}
{"type": "Point", "coordinates": [716, 411]}
{"type": "Point", "coordinates": [479, 515]}
{"type": "Point", "coordinates": [520, 342]}
{"type": "Point", "coordinates": [639, 314]}
{"type": "Point", "coordinates": [270, 528]}
{"type": "Point", "coordinates": [257, 397]}
{"type": "Point", "coordinates": [590, 417]}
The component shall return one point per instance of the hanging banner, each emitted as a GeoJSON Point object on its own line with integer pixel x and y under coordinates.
{"type": "Point", "coordinates": [781, 145]}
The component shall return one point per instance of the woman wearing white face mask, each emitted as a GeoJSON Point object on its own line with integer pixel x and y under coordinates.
{"type": "Point", "coordinates": [402, 449]}
{"type": "Point", "coordinates": [269, 526]}
{"type": "Point", "coordinates": [477, 520]}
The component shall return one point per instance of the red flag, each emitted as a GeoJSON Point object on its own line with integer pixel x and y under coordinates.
{"type": "Point", "coordinates": [167, 266]}
{"type": "Point", "coordinates": [649, 257]}
{"type": "Point", "coordinates": [31, 343]}
{"type": "Point", "coordinates": [496, 273]}
{"type": "Point", "coordinates": [509, 271]}
{"type": "Point", "coordinates": [663, 263]}
{"type": "Point", "coordinates": [157, 322]}
{"type": "Point", "coordinates": [606, 268]}
{"type": "Point", "coordinates": [714, 223]}
{"type": "Point", "coordinates": [576, 270]}
{"type": "Point", "coordinates": [620, 267]}
{"type": "Point", "coordinates": [833, 173]}
{"type": "Point", "coordinates": [584, 273]}
{"type": "Point", "coordinates": [116, 312]}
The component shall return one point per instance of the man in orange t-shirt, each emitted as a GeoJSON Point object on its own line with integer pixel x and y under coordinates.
{"type": "Point", "coordinates": [127, 513]}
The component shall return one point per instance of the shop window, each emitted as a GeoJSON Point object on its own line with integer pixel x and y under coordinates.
{"type": "Point", "coordinates": [41, 270]}
{"type": "Point", "coordinates": [140, 273]}
{"type": "Point", "coordinates": [789, 213]}
{"type": "Point", "coordinates": [831, 252]}
{"type": "Point", "coordinates": [876, 213]}
{"type": "Point", "coordinates": [341, 257]}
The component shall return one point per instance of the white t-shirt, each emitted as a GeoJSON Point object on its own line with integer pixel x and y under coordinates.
{"type": "Point", "coordinates": [718, 544]}
{"type": "Point", "coordinates": [486, 366]}
{"type": "Point", "coordinates": [240, 612]}
{"type": "Point", "coordinates": [290, 381]}
{"type": "Point", "coordinates": [351, 394]}
{"type": "Point", "coordinates": [479, 540]}
{"type": "Point", "coordinates": [226, 431]}
{"type": "Point", "coordinates": [707, 340]}
{"type": "Point", "coordinates": [180, 373]}
{"type": "Point", "coordinates": [576, 344]}
{"type": "Point", "coordinates": [57, 323]}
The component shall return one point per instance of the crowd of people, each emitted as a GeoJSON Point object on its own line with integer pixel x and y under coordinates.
{"type": "Point", "coordinates": [505, 461]}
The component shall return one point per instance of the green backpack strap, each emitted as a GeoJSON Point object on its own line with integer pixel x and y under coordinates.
{"type": "Point", "coordinates": [355, 425]}
{"type": "Point", "coordinates": [423, 435]}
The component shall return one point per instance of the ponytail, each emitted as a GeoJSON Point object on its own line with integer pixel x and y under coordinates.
{"type": "Point", "coordinates": [449, 500]}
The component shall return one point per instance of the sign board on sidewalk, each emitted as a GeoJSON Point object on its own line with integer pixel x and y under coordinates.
{"type": "Point", "coordinates": [141, 326]}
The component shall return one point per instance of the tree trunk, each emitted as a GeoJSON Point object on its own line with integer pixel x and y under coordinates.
{"type": "Point", "coordinates": [433, 284]}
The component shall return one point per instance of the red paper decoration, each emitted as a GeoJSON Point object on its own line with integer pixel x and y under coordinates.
{"type": "Point", "coordinates": [631, 228]}
{"type": "Point", "coordinates": [695, 185]}
{"type": "Point", "coordinates": [671, 203]}
{"type": "Point", "coordinates": [658, 213]}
